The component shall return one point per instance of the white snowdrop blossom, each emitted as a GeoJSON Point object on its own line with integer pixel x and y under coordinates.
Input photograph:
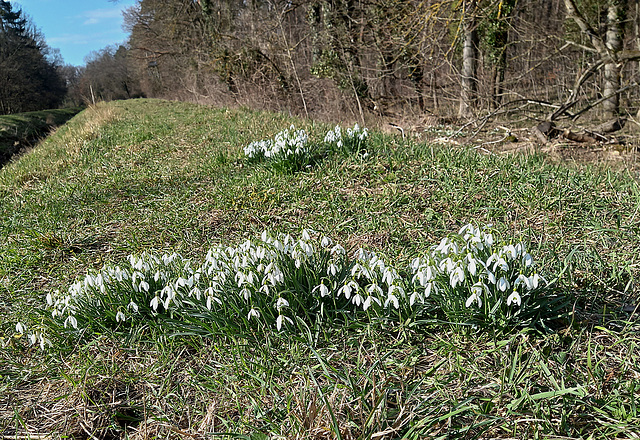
{"type": "Point", "coordinates": [473, 264]}
{"type": "Point", "coordinates": [456, 276]}
{"type": "Point", "coordinates": [474, 298]}
{"type": "Point", "coordinates": [287, 144]}
{"type": "Point", "coordinates": [281, 319]}
{"type": "Point", "coordinates": [353, 138]}
{"type": "Point", "coordinates": [20, 328]}
{"type": "Point", "coordinates": [281, 302]}
{"type": "Point", "coordinates": [277, 269]}
{"type": "Point", "coordinates": [503, 284]}
{"type": "Point", "coordinates": [324, 290]}
{"type": "Point", "coordinates": [514, 298]}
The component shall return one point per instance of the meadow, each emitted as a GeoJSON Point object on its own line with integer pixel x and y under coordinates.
{"type": "Point", "coordinates": [361, 287]}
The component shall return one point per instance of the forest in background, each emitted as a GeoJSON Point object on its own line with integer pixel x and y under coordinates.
{"type": "Point", "coordinates": [32, 75]}
{"type": "Point", "coordinates": [438, 60]}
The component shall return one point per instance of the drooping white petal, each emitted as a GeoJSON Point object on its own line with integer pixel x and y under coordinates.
{"type": "Point", "coordinates": [391, 299]}
{"type": "Point", "coordinates": [456, 277]}
{"type": "Point", "coordinates": [281, 302]}
{"type": "Point", "coordinates": [503, 284]}
{"type": "Point", "coordinates": [474, 298]}
{"type": "Point", "coordinates": [253, 312]}
{"type": "Point", "coordinates": [514, 298]}
{"type": "Point", "coordinates": [71, 320]}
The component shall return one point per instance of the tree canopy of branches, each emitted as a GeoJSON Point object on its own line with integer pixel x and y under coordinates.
{"type": "Point", "coordinates": [29, 70]}
{"type": "Point", "coordinates": [548, 59]}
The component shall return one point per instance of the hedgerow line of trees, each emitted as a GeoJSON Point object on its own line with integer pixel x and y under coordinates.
{"type": "Point", "coordinates": [31, 74]}
{"type": "Point", "coordinates": [546, 59]}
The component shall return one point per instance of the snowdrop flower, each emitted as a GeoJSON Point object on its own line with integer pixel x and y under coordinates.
{"type": "Point", "coordinates": [487, 239]}
{"type": "Point", "coordinates": [456, 277]}
{"type": "Point", "coordinates": [467, 230]}
{"type": "Point", "coordinates": [347, 288]}
{"type": "Point", "coordinates": [332, 269]}
{"type": "Point", "coordinates": [499, 263]}
{"type": "Point", "coordinates": [120, 317]}
{"type": "Point", "coordinates": [154, 303]}
{"type": "Point", "coordinates": [281, 302]}
{"type": "Point", "coordinates": [324, 290]}
{"type": "Point", "coordinates": [522, 280]}
{"type": "Point", "coordinates": [527, 260]}
{"type": "Point", "coordinates": [429, 288]}
{"type": "Point", "coordinates": [534, 280]}
{"type": "Point", "coordinates": [357, 270]}
{"type": "Point", "coordinates": [389, 276]}
{"type": "Point", "coordinates": [367, 302]}
{"type": "Point", "coordinates": [337, 250]}
{"type": "Point", "coordinates": [326, 242]}
{"type": "Point", "coordinates": [374, 288]}
{"type": "Point", "coordinates": [391, 299]}
{"type": "Point", "coordinates": [478, 288]}
{"type": "Point", "coordinates": [471, 264]}
{"type": "Point", "coordinates": [491, 277]}
{"type": "Point", "coordinates": [71, 320]}
{"type": "Point", "coordinates": [281, 319]}
{"type": "Point", "coordinates": [503, 284]}
{"type": "Point", "coordinates": [444, 246]}
{"type": "Point", "coordinates": [474, 298]}
{"type": "Point", "coordinates": [510, 252]}
{"type": "Point", "coordinates": [306, 247]}
{"type": "Point", "coordinates": [514, 298]}
{"type": "Point", "coordinates": [20, 328]}
{"type": "Point", "coordinates": [253, 313]}
{"type": "Point", "coordinates": [132, 306]}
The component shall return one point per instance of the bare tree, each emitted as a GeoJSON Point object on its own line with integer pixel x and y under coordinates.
{"type": "Point", "coordinates": [469, 72]}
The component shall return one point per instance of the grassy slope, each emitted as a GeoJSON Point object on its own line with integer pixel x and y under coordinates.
{"type": "Point", "coordinates": [25, 127]}
{"type": "Point", "coordinates": [149, 175]}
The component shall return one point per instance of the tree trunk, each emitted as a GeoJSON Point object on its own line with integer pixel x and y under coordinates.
{"type": "Point", "coordinates": [469, 72]}
{"type": "Point", "coordinates": [614, 37]}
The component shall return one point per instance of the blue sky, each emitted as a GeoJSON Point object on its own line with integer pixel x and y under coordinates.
{"type": "Point", "coordinates": [77, 27]}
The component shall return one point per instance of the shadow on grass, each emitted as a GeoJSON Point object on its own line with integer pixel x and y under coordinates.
{"type": "Point", "coordinates": [22, 130]}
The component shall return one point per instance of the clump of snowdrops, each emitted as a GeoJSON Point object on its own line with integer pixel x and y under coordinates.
{"type": "Point", "coordinates": [472, 279]}
{"type": "Point", "coordinates": [290, 149]}
{"type": "Point", "coordinates": [278, 281]}
{"type": "Point", "coordinates": [272, 281]}
{"type": "Point", "coordinates": [287, 151]}
{"type": "Point", "coordinates": [349, 140]}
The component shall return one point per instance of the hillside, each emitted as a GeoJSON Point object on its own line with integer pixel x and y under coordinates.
{"type": "Point", "coordinates": [22, 130]}
{"type": "Point", "coordinates": [156, 177]}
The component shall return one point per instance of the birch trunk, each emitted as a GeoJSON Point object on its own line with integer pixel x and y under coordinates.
{"type": "Point", "coordinates": [469, 80]}
{"type": "Point", "coordinates": [613, 43]}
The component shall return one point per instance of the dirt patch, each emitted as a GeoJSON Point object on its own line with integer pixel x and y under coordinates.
{"type": "Point", "coordinates": [623, 149]}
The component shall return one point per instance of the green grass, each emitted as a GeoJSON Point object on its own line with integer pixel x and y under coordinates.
{"type": "Point", "coordinates": [23, 128]}
{"type": "Point", "coordinates": [158, 176]}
